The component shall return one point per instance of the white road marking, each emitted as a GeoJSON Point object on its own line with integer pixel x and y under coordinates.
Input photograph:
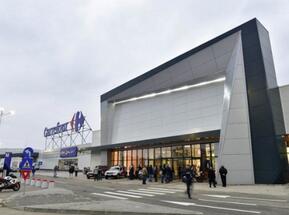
{"type": "Point", "coordinates": [134, 193]}
{"type": "Point", "coordinates": [116, 197]}
{"type": "Point", "coordinates": [161, 191]}
{"type": "Point", "coordinates": [122, 194]}
{"type": "Point", "coordinates": [218, 196]}
{"type": "Point", "coordinates": [213, 207]}
{"type": "Point", "coordinates": [248, 198]}
{"type": "Point", "coordinates": [237, 203]}
{"type": "Point", "coordinates": [148, 192]}
{"type": "Point", "coordinates": [260, 199]}
{"type": "Point", "coordinates": [174, 190]}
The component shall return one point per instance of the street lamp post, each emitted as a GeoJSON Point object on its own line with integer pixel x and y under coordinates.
{"type": "Point", "coordinates": [3, 113]}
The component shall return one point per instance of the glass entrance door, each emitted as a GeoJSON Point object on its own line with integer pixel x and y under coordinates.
{"type": "Point", "coordinates": [177, 167]}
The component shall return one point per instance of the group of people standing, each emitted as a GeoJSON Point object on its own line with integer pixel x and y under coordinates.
{"type": "Point", "coordinates": [151, 173]}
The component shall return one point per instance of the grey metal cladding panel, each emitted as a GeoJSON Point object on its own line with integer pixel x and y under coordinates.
{"type": "Point", "coordinates": [264, 104]}
{"type": "Point", "coordinates": [179, 58]}
{"type": "Point", "coordinates": [205, 63]}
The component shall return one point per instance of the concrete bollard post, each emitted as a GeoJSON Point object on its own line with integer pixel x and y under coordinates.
{"type": "Point", "coordinates": [51, 184]}
{"type": "Point", "coordinates": [44, 184]}
{"type": "Point", "coordinates": [22, 181]}
{"type": "Point", "coordinates": [38, 183]}
{"type": "Point", "coordinates": [28, 181]}
{"type": "Point", "coordinates": [32, 183]}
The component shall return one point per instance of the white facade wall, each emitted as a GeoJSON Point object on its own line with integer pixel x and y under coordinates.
{"type": "Point", "coordinates": [49, 159]}
{"type": "Point", "coordinates": [284, 94]}
{"type": "Point", "coordinates": [184, 112]}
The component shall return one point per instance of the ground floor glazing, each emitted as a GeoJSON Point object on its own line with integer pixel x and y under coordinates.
{"type": "Point", "coordinates": [201, 156]}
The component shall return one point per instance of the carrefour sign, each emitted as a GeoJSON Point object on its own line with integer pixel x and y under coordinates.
{"type": "Point", "coordinates": [75, 124]}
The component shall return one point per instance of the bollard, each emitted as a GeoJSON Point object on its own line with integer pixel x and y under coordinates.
{"type": "Point", "coordinates": [22, 181]}
{"type": "Point", "coordinates": [44, 184]}
{"type": "Point", "coordinates": [32, 183]}
{"type": "Point", "coordinates": [51, 184]}
{"type": "Point", "coordinates": [28, 181]}
{"type": "Point", "coordinates": [38, 183]}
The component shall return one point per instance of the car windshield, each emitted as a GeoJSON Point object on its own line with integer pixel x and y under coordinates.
{"type": "Point", "coordinates": [114, 168]}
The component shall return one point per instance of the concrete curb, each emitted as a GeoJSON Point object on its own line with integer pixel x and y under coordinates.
{"type": "Point", "coordinates": [95, 212]}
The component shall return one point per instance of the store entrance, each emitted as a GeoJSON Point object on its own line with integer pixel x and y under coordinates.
{"type": "Point", "coordinates": [66, 163]}
{"type": "Point", "coordinates": [178, 166]}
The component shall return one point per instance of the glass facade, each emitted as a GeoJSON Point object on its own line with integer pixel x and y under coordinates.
{"type": "Point", "coordinates": [202, 156]}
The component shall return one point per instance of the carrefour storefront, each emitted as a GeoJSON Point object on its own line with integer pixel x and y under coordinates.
{"type": "Point", "coordinates": [68, 144]}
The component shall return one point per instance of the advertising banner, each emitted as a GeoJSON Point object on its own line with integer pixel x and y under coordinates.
{"type": "Point", "coordinates": [68, 152]}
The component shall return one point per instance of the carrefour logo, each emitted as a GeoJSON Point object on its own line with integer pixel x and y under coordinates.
{"type": "Point", "coordinates": [75, 124]}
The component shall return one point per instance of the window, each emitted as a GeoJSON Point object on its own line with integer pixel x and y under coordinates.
{"type": "Point", "coordinates": [196, 152]}
{"type": "Point", "coordinates": [177, 151]}
{"type": "Point", "coordinates": [166, 152]}
{"type": "Point", "coordinates": [145, 153]}
{"type": "Point", "coordinates": [157, 153]}
{"type": "Point", "coordinates": [187, 151]}
{"type": "Point", "coordinates": [151, 153]}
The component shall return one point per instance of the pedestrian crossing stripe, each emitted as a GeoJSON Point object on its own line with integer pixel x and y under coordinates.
{"type": "Point", "coordinates": [123, 194]}
{"type": "Point", "coordinates": [161, 191]}
{"type": "Point", "coordinates": [134, 193]}
{"type": "Point", "coordinates": [109, 196]}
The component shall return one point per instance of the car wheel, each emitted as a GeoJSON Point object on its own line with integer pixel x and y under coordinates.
{"type": "Point", "coordinates": [106, 177]}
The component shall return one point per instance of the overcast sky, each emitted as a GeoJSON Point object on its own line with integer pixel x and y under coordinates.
{"type": "Point", "coordinates": [59, 56]}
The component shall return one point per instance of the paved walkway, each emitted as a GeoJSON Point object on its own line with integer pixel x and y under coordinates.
{"type": "Point", "coordinates": [278, 190]}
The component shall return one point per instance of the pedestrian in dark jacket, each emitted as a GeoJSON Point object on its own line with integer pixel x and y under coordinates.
{"type": "Point", "coordinates": [163, 173]}
{"type": "Point", "coordinates": [151, 173]}
{"type": "Point", "coordinates": [212, 177]}
{"type": "Point", "coordinates": [131, 172]}
{"type": "Point", "coordinates": [71, 170]}
{"type": "Point", "coordinates": [156, 170]}
{"type": "Point", "coordinates": [223, 173]}
{"type": "Point", "coordinates": [188, 179]}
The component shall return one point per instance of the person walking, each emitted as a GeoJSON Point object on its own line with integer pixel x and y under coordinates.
{"type": "Point", "coordinates": [131, 172]}
{"type": "Point", "coordinates": [96, 173]}
{"type": "Point", "coordinates": [156, 173]}
{"type": "Point", "coordinates": [55, 169]}
{"type": "Point", "coordinates": [76, 171]}
{"type": "Point", "coordinates": [71, 171]}
{"type": "Point", "coordinates": [151, 173]}
{"type": "Point", "coordinates": [212, 177]}
{"type": "Point", "coordinates": [188, 179]}
{"type": "Point", "coordinates": [163, 173]}
{"type": "Point", "coordinates": [33, 170]}
{"type": "Point", "coordinates": [144, 175]}
{"type": "Point", "coordinates": [223, 173]}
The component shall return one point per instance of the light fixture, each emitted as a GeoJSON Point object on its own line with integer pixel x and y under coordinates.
{"type": "Point", "coordinates": [186, 87]}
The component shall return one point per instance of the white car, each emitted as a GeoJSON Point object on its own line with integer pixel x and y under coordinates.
{"type": "Point", "coordinates": [115, 172]}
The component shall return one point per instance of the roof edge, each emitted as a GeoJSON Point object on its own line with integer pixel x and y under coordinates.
{"type": "Point", "coordinates": [171, 62]}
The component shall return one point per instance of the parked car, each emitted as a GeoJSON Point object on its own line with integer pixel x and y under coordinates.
{"type": "Point", "coordinates": [101, 169]}
{"type": "Point", "coordinates": [115, 172]}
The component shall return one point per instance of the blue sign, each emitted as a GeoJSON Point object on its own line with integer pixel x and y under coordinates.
{"type": "Point", "coordinates": [7, 160]}
{"type": "Point", "coordinates": [68, 152]}
{"type": "Point", "coordinates": [79, 120]}
{"type": "Point", "coordinates": [26, 164]}
{"type": "Point", "coordinates": [27, 152]}
{"type": "Point", "coordinates": [75, 124]}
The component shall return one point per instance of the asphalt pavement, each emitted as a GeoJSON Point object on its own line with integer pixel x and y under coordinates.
{"type": "Point", "coordinates": [123, 195]}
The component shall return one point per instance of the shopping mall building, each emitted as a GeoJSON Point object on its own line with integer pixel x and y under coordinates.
{"type": "Point", "coordinates": [217, 104]}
